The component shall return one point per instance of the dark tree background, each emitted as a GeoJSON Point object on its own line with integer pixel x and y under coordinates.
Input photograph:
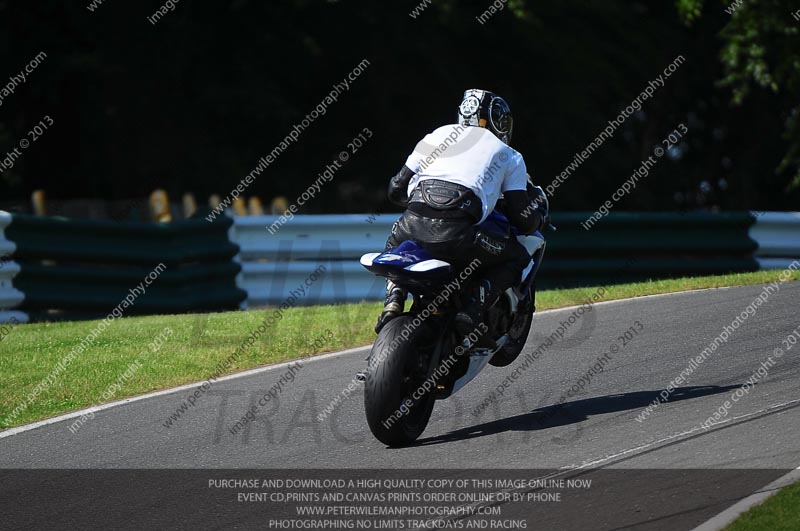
{"type": "Point", "coordinates": [191, 103]}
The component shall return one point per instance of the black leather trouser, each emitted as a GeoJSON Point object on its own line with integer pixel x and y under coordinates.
{"type": "Point", "coordinates": [502, 257]}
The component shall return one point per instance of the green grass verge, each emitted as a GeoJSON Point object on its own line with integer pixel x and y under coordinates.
{"type": "Point", "coordinates": [779, 513]}
{"type": "Point", "coordinates": [30, 353]}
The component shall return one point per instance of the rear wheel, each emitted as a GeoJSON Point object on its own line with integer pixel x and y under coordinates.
{"type": "Point", "coordinates": [518, 333]}
{"type": "Point", "coordinates": [397, 368]}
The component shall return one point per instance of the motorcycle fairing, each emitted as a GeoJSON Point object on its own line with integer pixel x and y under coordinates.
{"type": "Point", "coordinates": [408, 264]}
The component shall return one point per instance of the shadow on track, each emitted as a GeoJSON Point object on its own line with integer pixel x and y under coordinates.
{"type": "Point", "coordinates": [572, 412]}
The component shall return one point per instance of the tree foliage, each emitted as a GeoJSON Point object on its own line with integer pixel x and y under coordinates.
{"type": "Point", "coordinates": [193, 102]}
{"type": "Point", "coordinates": [761, 51]}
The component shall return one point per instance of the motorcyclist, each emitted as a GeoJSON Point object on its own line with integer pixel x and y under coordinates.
{"type": "Point", "coordinates": [449, 185]}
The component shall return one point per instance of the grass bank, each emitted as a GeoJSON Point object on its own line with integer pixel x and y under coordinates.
{"type": "Point", "coordinates": [122, 360]}
{"type": "Point", "coordinates": [779, 513]}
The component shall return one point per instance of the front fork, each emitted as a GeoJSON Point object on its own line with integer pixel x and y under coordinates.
{"type": "Point", "coordinates": [537, 256]}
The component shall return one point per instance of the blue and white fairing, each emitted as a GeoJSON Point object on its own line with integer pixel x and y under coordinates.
{"type": "Point", "coordinates": [412, 265]}
{"type": "Point", "coordinates": [499, 224]}
{"type": "Point", "coordinates": [408, 264]}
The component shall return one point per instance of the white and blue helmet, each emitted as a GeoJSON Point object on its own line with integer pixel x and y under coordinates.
{"type": "Point", "coordinates": [481, 108]}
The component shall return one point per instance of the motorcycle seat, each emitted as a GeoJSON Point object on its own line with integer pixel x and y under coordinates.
{"type": "Point", "coordinates": [409, 256]}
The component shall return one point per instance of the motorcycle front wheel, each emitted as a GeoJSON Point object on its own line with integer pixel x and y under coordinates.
{"type": "Point", "coordinates": [518, 334]}
{"type": "Point", "coordinates": [396, 369]}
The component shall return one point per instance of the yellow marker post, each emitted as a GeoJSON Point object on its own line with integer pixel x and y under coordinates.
{"type": "Point", "coordinates": [159, 206]}
{"type": "Point", "coordinates": [255, 207]}
{"type": "Point", "coordinates": [279, 206]}
{"type": "Point", "coordinates": [239, 207]}
{"type": "Point", "coordinates": [214, 200]}
{"type": "Point", "coordinates": [189, 205]}
{"type": "Point", "coordinates": [37, 200]}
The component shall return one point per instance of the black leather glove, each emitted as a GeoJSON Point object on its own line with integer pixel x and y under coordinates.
{"type": "Point", "coordinates": [398, 186]}
{"type": "Point", "coordinates": [541, 204]}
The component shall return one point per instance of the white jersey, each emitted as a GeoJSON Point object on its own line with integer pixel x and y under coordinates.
{"type": "Point", "coordinates": [469, 156]}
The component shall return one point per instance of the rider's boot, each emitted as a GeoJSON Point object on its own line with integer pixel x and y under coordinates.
{"type": "Point", "coordinates": [392, 304]}
{"type": "Point", "coordinates": [469, 319]}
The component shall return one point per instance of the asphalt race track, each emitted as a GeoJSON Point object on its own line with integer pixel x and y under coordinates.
{"type": "Point", "coordinates": [672, 472]}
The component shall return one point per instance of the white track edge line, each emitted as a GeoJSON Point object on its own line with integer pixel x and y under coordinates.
{"type": "Point", "coordinates": [733, 512]}
{"type": "Point", "coordinates": [100, 407]}
{"type": "Point", "coordinates": [675, 436]}
{"type": "Point", "coordinates": [258, 370]}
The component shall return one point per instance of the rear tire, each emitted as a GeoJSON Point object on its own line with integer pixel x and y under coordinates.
{"type": "Point", "coordinates": [393, 374]}
{"type": "Point", "coordinates": [518, 334]}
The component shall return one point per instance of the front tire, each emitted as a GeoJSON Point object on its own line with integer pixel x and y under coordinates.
{"type": "Point", "coordinates": [518, 334]}
{"type": "Point", "coordinates": [396, 369]}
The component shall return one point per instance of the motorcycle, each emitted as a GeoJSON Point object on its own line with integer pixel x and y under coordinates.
{"type": "Point", "coordinates": [418, 357]}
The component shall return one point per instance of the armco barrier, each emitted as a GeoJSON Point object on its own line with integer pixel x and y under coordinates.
{"type": "Point", "coordinates": [778, 238]}
{"type": "Point", "coordinates": [85, 268]}
{"type": "Point", "coordinates": [312, 237]}
{"type": "Point", "coordinates": [272, 264]}
{"type": "Point", "coordinates": [9, 296]}
{"type": "Point", "coordinates": [630, 246]}
{"type": "Point", "coordinates": [622, 247]}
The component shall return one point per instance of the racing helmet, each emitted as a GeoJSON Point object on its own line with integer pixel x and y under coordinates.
{"type": "Point", "coordinates": [482, 108]}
